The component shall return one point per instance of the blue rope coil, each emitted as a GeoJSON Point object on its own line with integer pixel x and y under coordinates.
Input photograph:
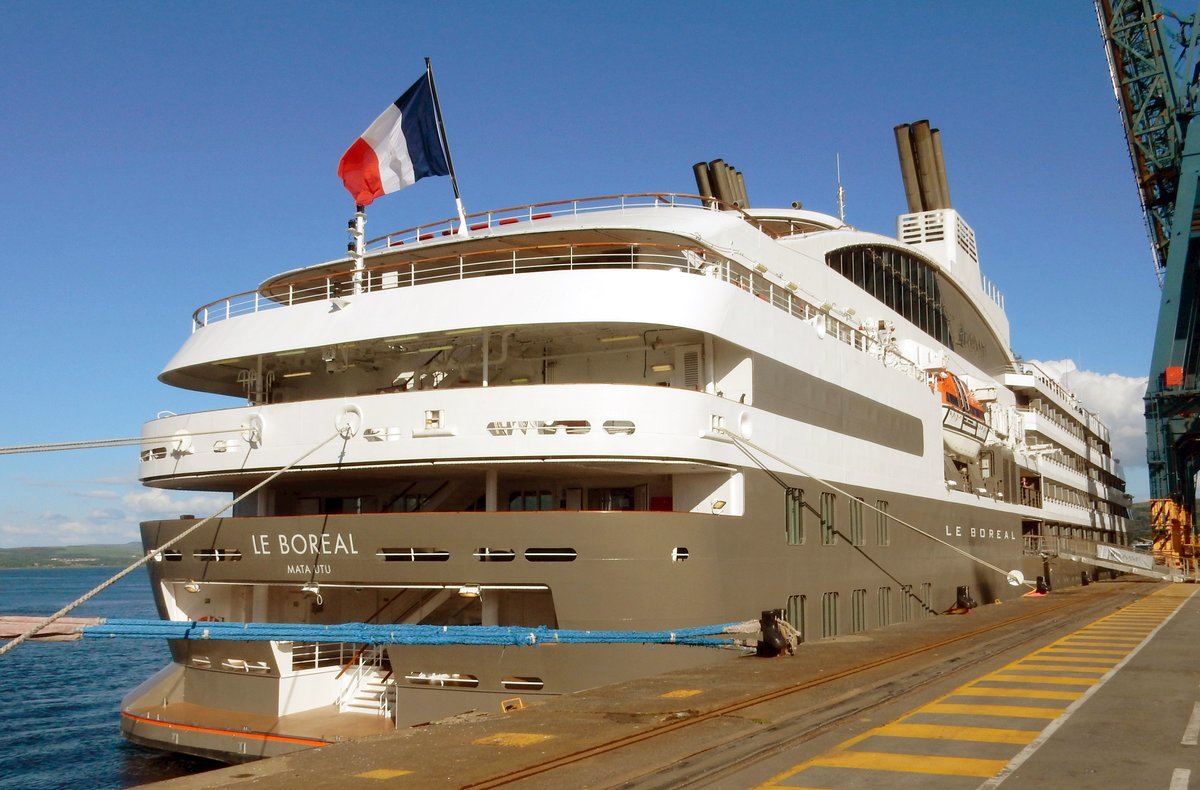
{"type": "Point", "coordinates": [369, 634]}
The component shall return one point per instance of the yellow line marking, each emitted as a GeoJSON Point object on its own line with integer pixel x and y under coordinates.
{"type": "Point", "coordinates": [1052, 679]}
{"type": "Point", "coordinates": [512, 739]}
{"type": "Point", "coordinates": [1040, 664]}
{"type": "Point", "coordinates": [912, 763]}
{"type": "Point", "coordinates": [1100, 648]}
{"type": "Point", "coordinates": [383, 773]}
{"type": "Point", "coordinates": [944, 732]}
{"type": "Point", "coordinates": [1020, 711]}
{"type": "Point", "coordinates": [986, 691]}
{"type": "Point", "coordinates": [680, 694]}
{"type": "Point", "coordinates": [1108, 662]}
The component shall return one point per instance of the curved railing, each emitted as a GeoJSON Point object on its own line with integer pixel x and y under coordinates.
{"type": "Point", "coordinates": [445, 268]}
{"type": "Point", "coordinates": [485, 220]}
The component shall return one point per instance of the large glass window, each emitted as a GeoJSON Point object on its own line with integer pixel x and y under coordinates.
{"type": "Point", "coordinates": [900, 280]}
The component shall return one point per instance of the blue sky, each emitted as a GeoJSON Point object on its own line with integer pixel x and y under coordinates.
{"type": "Point", "coordinates": [156, 156]}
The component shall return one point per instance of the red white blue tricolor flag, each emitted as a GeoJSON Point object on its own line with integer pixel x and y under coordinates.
{"type": "Point", "coordinates": [403, 145]}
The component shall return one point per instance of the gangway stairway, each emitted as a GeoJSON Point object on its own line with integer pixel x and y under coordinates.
{"type": "Point", "coordinates": [1109, 556]}
{"type": "Point", "coordinates": [368, 685]}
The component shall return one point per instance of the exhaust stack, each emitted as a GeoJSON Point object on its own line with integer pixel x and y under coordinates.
{"type": "Point", "coordinates": [921, 167]}
{"type": "Point", "coordinates": [718, 181]}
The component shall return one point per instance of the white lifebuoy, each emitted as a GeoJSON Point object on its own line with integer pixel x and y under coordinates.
{"type": "Point", "coordinates": [348, 421]}
{"type": "Point", "coordinates": [181, 444]}
{"type": "Point", "coordinates": [252, 431]}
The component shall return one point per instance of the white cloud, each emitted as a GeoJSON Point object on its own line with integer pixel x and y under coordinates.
{"type": "Point", "coordinates": [113, 524]}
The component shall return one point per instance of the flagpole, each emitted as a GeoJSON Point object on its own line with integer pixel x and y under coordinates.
{"type": "Point", "coordinates": [437, 107]}
{"type": "Point", "coordinates": [357, 246]}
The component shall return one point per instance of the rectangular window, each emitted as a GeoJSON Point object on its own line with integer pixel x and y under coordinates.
{"type": "Point", "coordinates": [795, 614]}
{"type": "Point", "coordinates": [885, 606]}
{"type": "Point", "coordinates": [794, 515]}
{"type": "Point", "coordinates": [856, 522]}
{"type": "Point", "coordinates": [858, 611]}
{"type": "Point", "coordinates": [828, 528]}
{"type": "Point", "coordinates": [883, 526]}
{"type": "Point", "coordinates": [906, 603]}
{"type": "Point", "coordinates": [829, 614]}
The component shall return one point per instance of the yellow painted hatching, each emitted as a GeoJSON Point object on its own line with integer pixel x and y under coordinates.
{"type": "Point", "coordinates": [383, 773]}
{"type": "Point", "coordinates": [512, 739]}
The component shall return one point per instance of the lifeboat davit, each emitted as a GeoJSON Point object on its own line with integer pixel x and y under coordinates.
{"type": "Point", "coordinates": [964, 429]}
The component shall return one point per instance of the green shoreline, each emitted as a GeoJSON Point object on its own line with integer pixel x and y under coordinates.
{"type": "Point", "coordinates": [94, 556]}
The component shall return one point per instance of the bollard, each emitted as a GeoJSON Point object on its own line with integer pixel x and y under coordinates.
{"type": "Point", "coordinates": [1042, 587]}
{"type": "Point", "coordinates": [964, 601]}
{"type": "Point", "coordinates": [773, 642]}
{"type": "Point", "coordinates": [1083, 578]}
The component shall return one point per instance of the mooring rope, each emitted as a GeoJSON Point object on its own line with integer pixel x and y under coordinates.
{"type": "Point", "coordinates": [150, 554]}
{"type": "Point", "coordinates": [742, 443]}
{"type": "Point", "coordinates": [92, 444]}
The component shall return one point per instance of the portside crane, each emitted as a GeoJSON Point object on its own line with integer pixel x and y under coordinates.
{"type": "Point", "coordinates": [1152, 61]}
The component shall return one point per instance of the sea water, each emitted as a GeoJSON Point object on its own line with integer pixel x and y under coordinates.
{"type": "Point", "coordinates": [60, 701]}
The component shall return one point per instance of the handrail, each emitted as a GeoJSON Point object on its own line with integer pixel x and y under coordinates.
{"type": "Point", "coordinates": [316, 287]}
{"type": "Point", "coordinates": [669, 199]}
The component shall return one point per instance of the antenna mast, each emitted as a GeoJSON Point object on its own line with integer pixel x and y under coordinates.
{"type": "Point", "coordinates": [841, 192]}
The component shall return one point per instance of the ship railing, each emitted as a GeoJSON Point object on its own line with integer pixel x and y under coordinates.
{"type": "Point", "coordinates": [533, 212]}
{"type": "Point", "coordinates": [789, 297]}
{"type": "Point", "coordinates": [314, 655]}
{"type": "Point", "coordinates": [365, 663]}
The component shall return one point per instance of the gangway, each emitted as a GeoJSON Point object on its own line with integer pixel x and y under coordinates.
{"type": "Point", "coordinates": [1111, 556]}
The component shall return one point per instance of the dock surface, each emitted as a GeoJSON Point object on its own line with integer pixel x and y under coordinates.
{"type": "Point", "coordinates": [1093, 686]}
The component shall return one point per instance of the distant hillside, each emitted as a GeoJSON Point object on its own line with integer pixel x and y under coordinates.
{"type": "Point", "coordinates": [1139, 521]}
{"type": "Point", "coordinates": [111, 555]}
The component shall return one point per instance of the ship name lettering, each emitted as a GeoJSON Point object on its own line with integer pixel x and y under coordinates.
{"type": "Point", "coordinates": [260, 544]}
{"type": "Point", "coordinates": [310, 570]}
{"type": "Point", "coordinates": [979, 532]}
{"type": "Point", "coordinates": [312, 543]}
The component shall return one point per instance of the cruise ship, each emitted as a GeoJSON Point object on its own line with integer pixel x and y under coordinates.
{"type": "Point", "coordinates": [633, 413]}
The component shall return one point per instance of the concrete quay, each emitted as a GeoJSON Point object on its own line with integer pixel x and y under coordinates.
{"type": "Point", "coordinates": [1091, 686]}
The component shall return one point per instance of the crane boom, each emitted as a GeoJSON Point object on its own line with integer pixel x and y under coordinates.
{"type": "Point", "coordinates": [1157, 102]}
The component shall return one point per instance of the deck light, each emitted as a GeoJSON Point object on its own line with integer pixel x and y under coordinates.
{"type": "Point", "coordinates": [718, 505]}
{"type": "Point", "coordinates": [297, 374]}
{"type": "Point", "coordinates": [192, 587]}
{"type": "Point", "coordinates": [519, 380]}
{"type": "Point", "coordinates": [619, 338]}
{"type": "Point", "coordinates": [666, 367]}
{"type": "Point", "coordinates": [470, 591]}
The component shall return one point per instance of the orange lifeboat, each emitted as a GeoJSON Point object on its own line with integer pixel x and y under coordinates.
{"type": "Point", "coordinates": [964, 429]}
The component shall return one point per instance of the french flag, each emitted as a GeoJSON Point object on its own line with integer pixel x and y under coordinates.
{"type": "Point", "coordinates": [402, 146]}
